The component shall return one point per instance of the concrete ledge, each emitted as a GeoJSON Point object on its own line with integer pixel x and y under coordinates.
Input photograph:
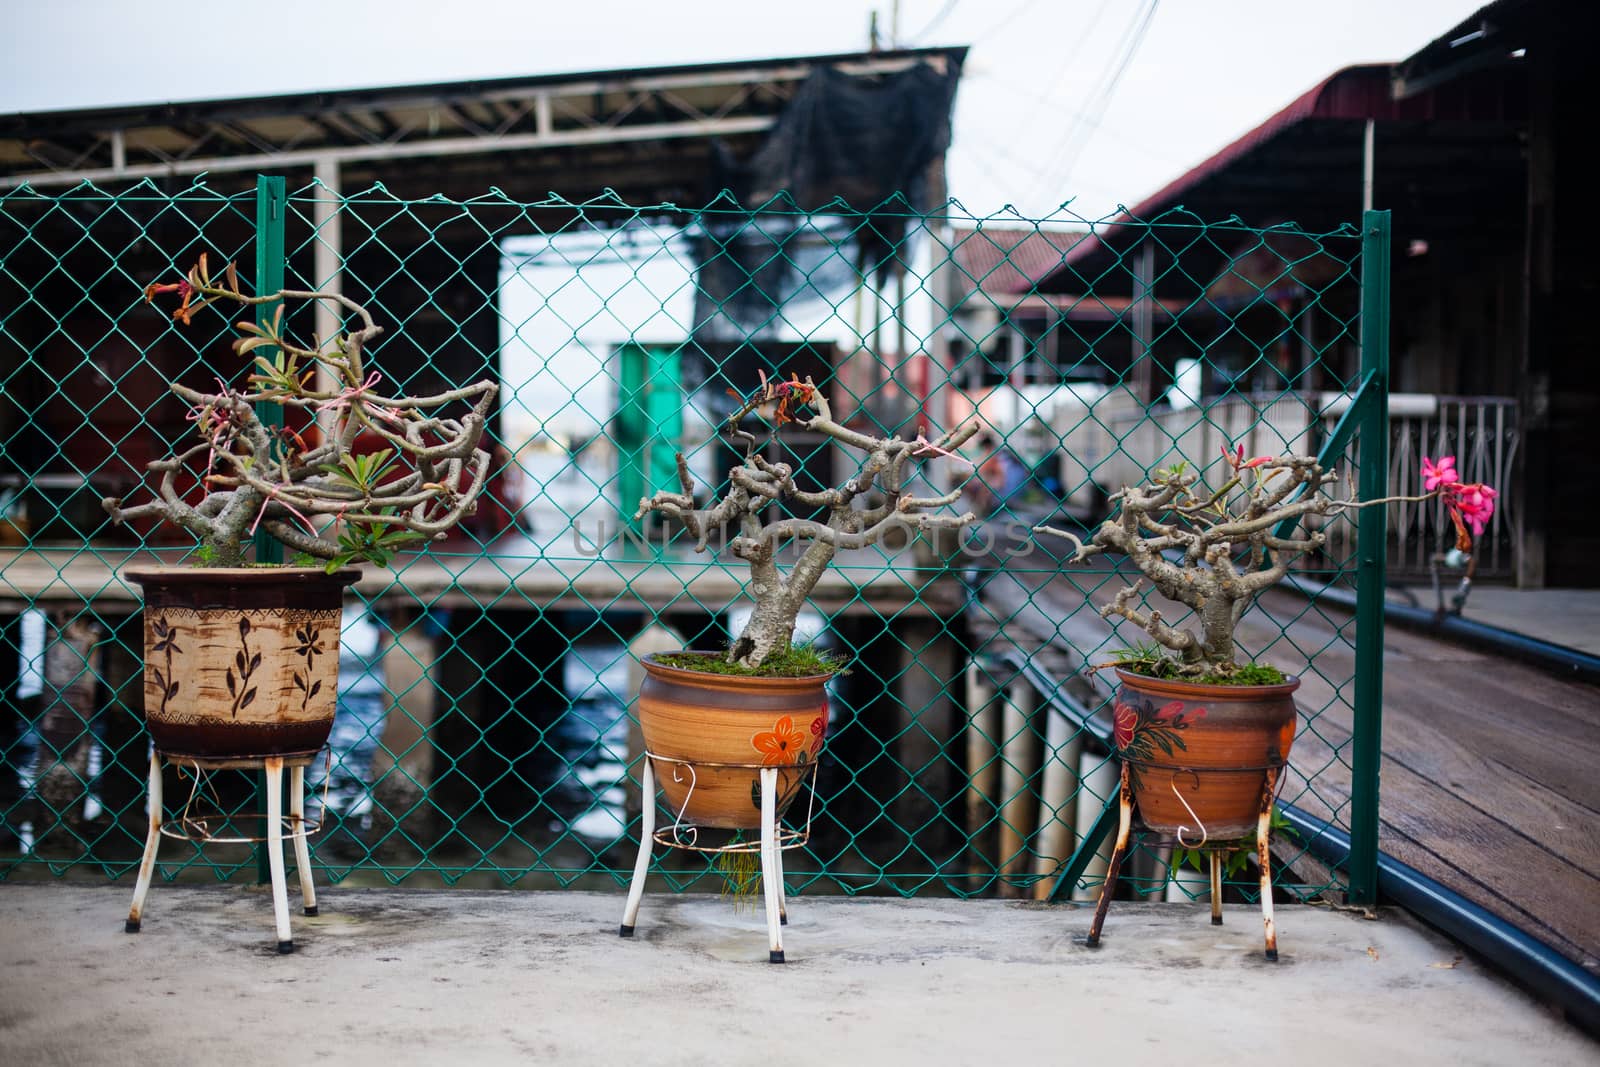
{"type": "Point", "coordinates": [399, 976]}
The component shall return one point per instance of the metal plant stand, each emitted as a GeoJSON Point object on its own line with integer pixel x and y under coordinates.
{"type": "Point", "coordinates": [1126, 829]}
{"type": "Point", "coordinates": [775, 839]}
{"type": "Point", "coordinates": [199, 828]}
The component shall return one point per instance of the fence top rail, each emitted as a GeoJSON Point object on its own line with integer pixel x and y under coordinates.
{"type": "Point", "coordinates": [724, 203]}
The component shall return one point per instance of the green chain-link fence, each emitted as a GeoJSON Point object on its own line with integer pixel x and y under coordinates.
{"type": "Point", "coordinates": [483, 734]}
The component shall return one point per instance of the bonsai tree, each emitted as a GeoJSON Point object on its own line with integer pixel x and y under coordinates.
{"type": "Point", "coordinates": [1215, 551]}
{"type": "Point", "coordinates": [756, 484]}
{"type": "Point", "coordinates": [257, 475]}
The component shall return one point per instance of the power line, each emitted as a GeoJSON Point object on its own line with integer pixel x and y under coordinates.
{"type": "Point", "coordinates": [933, 23]}
{"type": "Point", "coordinates": [1100, 98]}
{"type": "Point", "coordinates": [1072, 112]}
{"type": "Point", "coordinates": [1066, 62]}
{"type": "Point", "coordinates": [1021, 9]}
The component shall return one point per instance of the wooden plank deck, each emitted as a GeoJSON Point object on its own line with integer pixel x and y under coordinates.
{"type": "Point", "coordinates": [1488, 774]}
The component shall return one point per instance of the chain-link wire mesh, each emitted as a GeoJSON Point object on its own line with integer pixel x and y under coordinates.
{"type": "Point", "coordinates": [484, 733]}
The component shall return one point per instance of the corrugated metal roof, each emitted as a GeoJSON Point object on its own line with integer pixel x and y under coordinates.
{"type": "Point", "coordinates": [1347, 93]}
{"type": "Point", "coordinates": [1351, 95]}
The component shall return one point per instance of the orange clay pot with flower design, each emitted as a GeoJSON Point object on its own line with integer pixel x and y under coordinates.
{"type": "Point", "coordinates": [1201, 757]}
{"type": "Point", "coordinates": [710, 735]}
{"type": "Point", "coordinates": [1202, 736]}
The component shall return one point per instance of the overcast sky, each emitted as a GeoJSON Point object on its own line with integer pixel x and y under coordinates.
{"type": "Point", "coordinates": [1103, 101]}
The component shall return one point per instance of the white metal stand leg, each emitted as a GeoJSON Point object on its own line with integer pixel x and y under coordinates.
{"type": "Point", "coordinates": [770, 878]}
{"type": "Point", "coordinates": [641, 866]}
{"type": "Point", "coordinates": [147, 866]}
{"type": "Point", "coordinates": [302, 854]}
{"type": "Point", "coordinates": [280, 894]}
{"type": "Point", "coordinates": [777, 864]}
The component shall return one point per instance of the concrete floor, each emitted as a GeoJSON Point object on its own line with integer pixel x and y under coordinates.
{"type": "Point", "coordinates": [399, 977]}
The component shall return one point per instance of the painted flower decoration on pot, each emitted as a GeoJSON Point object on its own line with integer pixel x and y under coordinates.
{"type": "Point", "coordinates": [782, 745]}
{"type": "Point", "coordinates": [1122, 728]}
{"type": "Point", "coordinates": [1138, 728]}
{"type": "Point", "coordinates": [819, 726]}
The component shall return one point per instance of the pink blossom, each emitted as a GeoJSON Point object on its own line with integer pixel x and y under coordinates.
{"type": "Point", "coordinates": [1475, 503]}
{"type": "Point", "coordinates": [1236, 460]}
{"type": "Point", "coordinates": [1441, 474]}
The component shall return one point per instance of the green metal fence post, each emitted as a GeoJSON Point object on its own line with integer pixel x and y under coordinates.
{"type": "Point", "coordinates": [1372, 534]}
{"type": "Point", "coordinates": [272, 208]}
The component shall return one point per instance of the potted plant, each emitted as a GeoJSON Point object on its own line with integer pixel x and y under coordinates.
{"type": "Point", "coordinates": [241, 658]}
{"type": "Point", "coordinates": [731, 735]}
{"type": "Point", "coordinates": [1203, 736]}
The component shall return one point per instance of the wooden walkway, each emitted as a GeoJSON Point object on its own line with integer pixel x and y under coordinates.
{"type": "Point", "coordinates": [1489, 782]}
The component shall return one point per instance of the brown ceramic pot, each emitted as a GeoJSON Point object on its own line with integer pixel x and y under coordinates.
{"type": "Point", "coordinates": [1200, 754]}
{"type": "Point", "coordinates": [240, 661]}
{"type": "Point", "coordinates": [724, 728]}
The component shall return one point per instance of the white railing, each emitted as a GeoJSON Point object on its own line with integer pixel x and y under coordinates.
{"type": "Point", "coordinates": [1117, 440]}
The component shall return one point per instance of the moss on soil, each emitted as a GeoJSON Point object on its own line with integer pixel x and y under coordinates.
{"type": "Point", "coordinates": [1218, 674]}
{"type": "Point", "coordinates": [800, 662]}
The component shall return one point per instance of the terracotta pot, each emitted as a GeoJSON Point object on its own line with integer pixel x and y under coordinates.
{"type": "Point", "coordinates": [725, 727]}
{"type": "Point", "coordinates": [240, 661]}
{"type": "Point", "coordinates": [1199, 755]}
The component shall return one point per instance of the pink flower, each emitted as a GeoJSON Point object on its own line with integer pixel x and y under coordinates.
{"type": "Point", "coordinates": [1475, 503]}
{"type": "Point", "coordinates": [1236, 460]}
{"type": "Point", "coordinates": [1441, 474]}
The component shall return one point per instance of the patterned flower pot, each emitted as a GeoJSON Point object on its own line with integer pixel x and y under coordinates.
{"type": "Point", "coordinates": [1198, 756]}
{"type": "Point", "coordinates": [240, 661]}
{"type": "Point", "coordinates": [710, 734]}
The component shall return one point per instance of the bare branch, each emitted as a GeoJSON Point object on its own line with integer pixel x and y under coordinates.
{"type": "Point", "coordinates": [256, 477]}
{"type": "Point", "coordinates": [758, 484]}
{"type": "Point", "coordinates": [1228, 541]}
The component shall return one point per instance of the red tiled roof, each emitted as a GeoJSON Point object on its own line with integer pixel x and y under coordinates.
{"type": "Point", "coordinates": [1008, 260]}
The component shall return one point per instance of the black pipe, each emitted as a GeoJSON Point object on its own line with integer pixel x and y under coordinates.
{"type": "Point", "coordinates": [1559, 659]}
{"type": "Point", "coordinates": [1529, 961]}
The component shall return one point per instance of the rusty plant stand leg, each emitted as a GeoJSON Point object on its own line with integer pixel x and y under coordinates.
{"type": "Point", "coordinates": [641, 866]}
{"type": "Point", "coordinates": [297, 823]}
{"type": "Point", "coordinates": [1216, 888]}
{"type": "Point", "coordinates": [152, 843]}
{"type": "Point", "coordinates": [1124, 829]}
{"type": "Point", "coordinates": [771, 878]}
{"type": "Point", "coordinates": [1264, 853]}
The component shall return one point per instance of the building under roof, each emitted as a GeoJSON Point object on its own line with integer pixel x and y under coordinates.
{"type": "Point", "coordinates": [100, 202]}
{"type": "Point", "coordinates": [1477, 145]}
